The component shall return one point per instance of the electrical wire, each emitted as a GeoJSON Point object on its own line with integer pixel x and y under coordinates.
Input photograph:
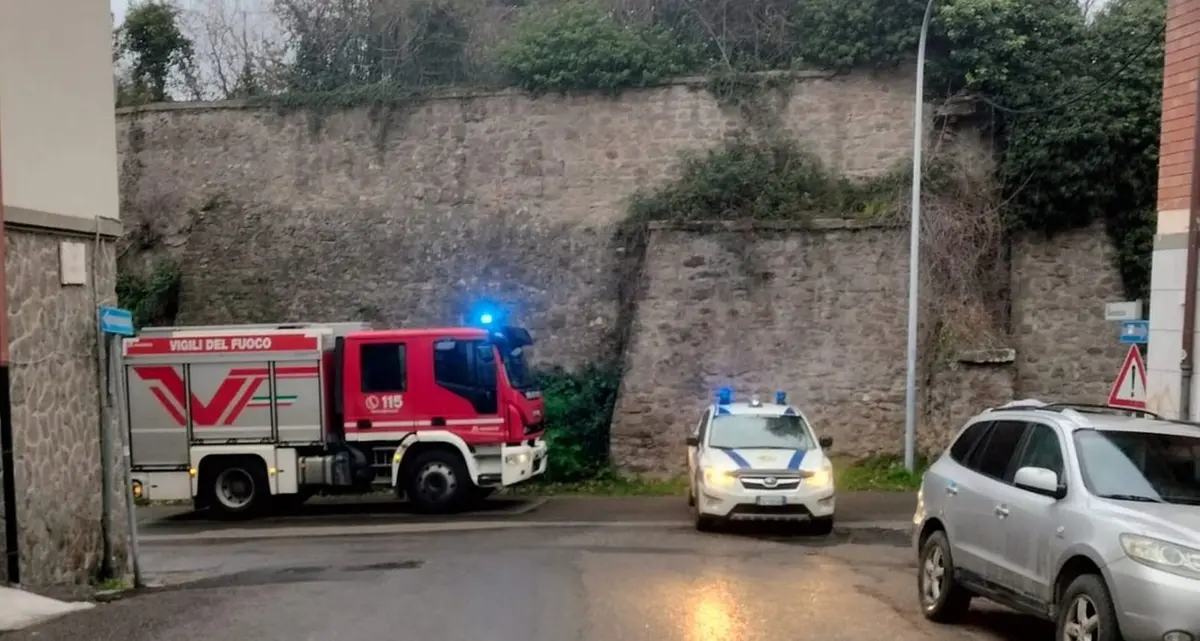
{"type": "Point", "coordinates": [1129, 63]}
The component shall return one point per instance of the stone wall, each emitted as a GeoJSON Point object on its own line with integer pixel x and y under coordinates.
{"type": "Point", "coordinates": [1065, 348]}
{"type": "Point", "coordinates": [403, 219]}
{"type": "Point", "coordinates": [822, 314]}
{"type": "Point", "coordinates": [55, 409]}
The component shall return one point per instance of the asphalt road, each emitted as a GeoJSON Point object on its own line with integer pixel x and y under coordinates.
{"type": "Point", "coordinates": [536, 582]}
{"type": "Point", "coordinates": [853, 507]}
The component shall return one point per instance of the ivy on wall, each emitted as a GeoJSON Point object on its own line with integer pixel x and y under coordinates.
{"type": "Point", "coordinates": [1072, 96]}
{"type": "Point", "coordinates": [153, 298]}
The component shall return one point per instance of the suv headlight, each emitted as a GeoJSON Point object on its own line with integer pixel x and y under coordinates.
{"type": "Point", "coordinates": [1168, 557]}
{"type": "Point", "coordinates": [822, 476]}
{"type": "Point", "coordinates": [718, 478]}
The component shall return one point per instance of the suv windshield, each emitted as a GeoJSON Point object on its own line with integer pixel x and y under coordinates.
{"type": "Point", "coordinates": [1140, 466]}
{"type": "Point", "coordinates": [763, 432]}
{"type": "Point", "coordinates": [516, 368]}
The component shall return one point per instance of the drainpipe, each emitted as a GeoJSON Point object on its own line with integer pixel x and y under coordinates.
{"type": "Point", "coordinates": [1186, 366]}
{"type": "Point", "coordinates": [7, 460]}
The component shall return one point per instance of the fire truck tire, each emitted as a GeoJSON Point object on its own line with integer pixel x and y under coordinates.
{"type": "Point", "coordinates": [437, 482]}
{"type": "Point", "coordinates": [237, 488]}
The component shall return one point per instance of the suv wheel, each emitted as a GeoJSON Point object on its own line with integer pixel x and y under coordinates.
{"type": "Point", "coordinates": [1087, 612]}
{"type": "Point", "coordinates": [942, 599]}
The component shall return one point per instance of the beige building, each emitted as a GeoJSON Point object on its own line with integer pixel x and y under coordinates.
{"type": "Point", "coordinates": [58, 186]}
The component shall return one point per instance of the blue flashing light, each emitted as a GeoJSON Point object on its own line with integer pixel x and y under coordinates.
{"type": "Point", "coordinates": [781, 398]}
{"type": "Point", "coordinates": [724, 396]}
{"type": "Point", "coordinates": [485, 314]}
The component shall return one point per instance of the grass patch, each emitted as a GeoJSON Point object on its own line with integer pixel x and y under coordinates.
{"type": "Point", "coordinates": [113, 584]}
{"type": "Point", "coordinates": [878, 473]}
{"type": "Point", "coordinates": [605, 485]}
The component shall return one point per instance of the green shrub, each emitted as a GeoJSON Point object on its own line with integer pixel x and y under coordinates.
{"type": "Point", "coordinates": [577, 44]}
{"type": "Point", "coordinates": [579, 409]}
{"type": "Point", "coordinates": [776, 180]}
{"type": "Point", "coordinates": [153, 298]}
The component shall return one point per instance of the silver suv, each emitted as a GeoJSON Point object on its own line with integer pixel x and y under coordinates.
{"type": "Point", "coordinates": [1071, 513]}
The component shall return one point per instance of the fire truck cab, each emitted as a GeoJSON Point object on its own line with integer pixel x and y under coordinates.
{"type": "Point", "coordinates": [239, 417]}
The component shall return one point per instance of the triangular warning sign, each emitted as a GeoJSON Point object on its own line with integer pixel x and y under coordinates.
{"type": "Point", "coordinates": [1129, 390]}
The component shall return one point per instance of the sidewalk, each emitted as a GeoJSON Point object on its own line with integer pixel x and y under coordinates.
{"type": "Point", "coordinates": [20, 609]}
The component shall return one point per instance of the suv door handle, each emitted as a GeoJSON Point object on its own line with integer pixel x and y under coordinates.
{"type": "Point", "coordinates": [952, 490]}
{"type": "Point", "coordinates": [1001, 511]}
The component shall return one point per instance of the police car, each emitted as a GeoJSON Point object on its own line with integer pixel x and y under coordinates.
{"type": "Point", "coordinates": [756, 461]}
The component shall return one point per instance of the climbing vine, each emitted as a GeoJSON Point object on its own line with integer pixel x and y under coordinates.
{"type": "Point", "coordinates": [152, 297]}
{"type": "Point", "coordinates": [1071, 97]}
{"type": "Point", "coordinates": [777, 179]}
{"type": "Point", "coordinates": [579, 409]}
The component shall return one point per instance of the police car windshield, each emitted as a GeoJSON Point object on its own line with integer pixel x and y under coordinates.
{"type": "Point", "coordinates": [760, 432]}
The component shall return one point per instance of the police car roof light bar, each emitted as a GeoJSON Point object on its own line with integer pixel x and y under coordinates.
{"type": "Point", "coordinates": [724, 396]}
{"type": "Point", "coordinates": [781, 398]}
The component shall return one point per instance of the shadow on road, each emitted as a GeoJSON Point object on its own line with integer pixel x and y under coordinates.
{"type": "Point", "coordinates": [803, 534]}
{"type": "Point", "coordinates": [332, 509]}
{"type": "Point", "coordinates": [1008, 625]}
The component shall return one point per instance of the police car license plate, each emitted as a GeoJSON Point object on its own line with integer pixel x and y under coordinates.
{"type": "Point", "coordinates": [771, 500]}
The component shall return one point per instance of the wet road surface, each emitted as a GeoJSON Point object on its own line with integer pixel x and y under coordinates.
{"type": "Point", "coordinates": [372, 510]}
{"type": "Point", "coordinates": [649, 583]}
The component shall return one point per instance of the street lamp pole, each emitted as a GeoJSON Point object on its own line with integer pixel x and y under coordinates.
{"type": "Point", "coordinates": [914, 250]}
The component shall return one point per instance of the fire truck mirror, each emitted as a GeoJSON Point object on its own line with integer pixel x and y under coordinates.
{"type": "Point", "coordinates": [517, 336]}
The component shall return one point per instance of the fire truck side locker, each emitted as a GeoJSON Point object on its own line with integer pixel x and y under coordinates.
{"type": "Point", "coordinates": [261, 430]}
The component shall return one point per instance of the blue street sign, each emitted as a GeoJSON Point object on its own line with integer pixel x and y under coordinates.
{"type": "Point", "coordinates": [1135, 332]}
{"type": "Point", "coordinates": [114, 320]}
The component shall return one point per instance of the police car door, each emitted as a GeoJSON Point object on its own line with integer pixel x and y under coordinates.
{"type": "Point", "coordinates": [693, 451]}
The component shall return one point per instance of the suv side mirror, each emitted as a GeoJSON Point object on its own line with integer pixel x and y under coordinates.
{"type": "Point", "coordinates": [1039, 480]}
{"type": "Point", "coordinates": [692, 441]}
{"type": "Point", "coordinates": [825, 441]}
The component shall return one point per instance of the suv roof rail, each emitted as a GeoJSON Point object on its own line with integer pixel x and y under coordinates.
{"type": "Point", "coordinates": [1096, 408]}
{"type": "Point", "coordinates": [1085, 408]}
{"type": "Point", "coordinates": [1179, 421]}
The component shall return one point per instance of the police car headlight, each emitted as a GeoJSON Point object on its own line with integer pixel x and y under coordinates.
{"type": "Point", "coordinates": [718, 478]}
{"type": "Point", "coordinates": [822, 476]}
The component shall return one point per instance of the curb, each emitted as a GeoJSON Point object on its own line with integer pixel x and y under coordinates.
{"type": "Point", "coordinates": [297, 520]}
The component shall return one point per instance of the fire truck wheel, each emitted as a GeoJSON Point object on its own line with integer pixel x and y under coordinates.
{"type": "Point", "coordinates": [437, 482]}
{"type": "Point", "coordinates": [237, 488]}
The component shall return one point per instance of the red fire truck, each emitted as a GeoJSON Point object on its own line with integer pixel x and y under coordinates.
{"type": "Point", "coordinates": [240, 417]}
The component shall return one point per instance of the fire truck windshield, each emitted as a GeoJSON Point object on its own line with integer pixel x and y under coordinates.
{"type": "Point", "coordinates": [517, 368]}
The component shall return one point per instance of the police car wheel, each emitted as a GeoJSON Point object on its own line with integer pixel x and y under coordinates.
{"type": "Point", "coordinates": [704, 523]}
